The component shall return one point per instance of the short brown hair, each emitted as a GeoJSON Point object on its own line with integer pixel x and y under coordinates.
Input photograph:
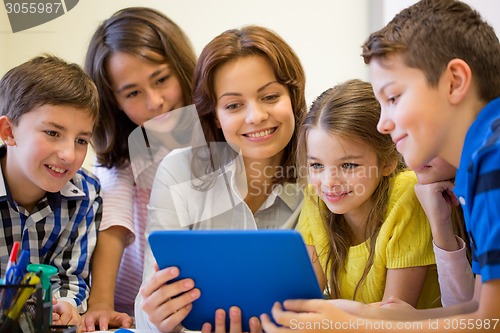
{"type": "Point", "coordinates": [431, 33]}
{"type": "Point", "coordinates": [236, 43]}
{"type": "Point", "coordinates": [45, 80]}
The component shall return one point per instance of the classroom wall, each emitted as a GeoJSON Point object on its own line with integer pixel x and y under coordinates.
{"type": "Point", "coordinates": [326, 34]}
{"type": "Point", "coordinates": [317, 31]}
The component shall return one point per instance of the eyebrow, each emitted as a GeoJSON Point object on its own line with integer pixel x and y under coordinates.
{"type": "Point", "coordinates": [62, 128]}
{"type": "Point", "coordinates": [380, 91]}
{"type": "Point", "coordinates": [344, 158]}
{"type": "Point", "coordinates": [239, 94]}
{"type": "Point", "coordinates": [152, 76]}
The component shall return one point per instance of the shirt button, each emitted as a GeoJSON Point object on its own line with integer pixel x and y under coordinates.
{"type": "Point", "coordinates": [462, 201]}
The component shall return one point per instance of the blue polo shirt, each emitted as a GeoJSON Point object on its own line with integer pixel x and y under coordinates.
{"type": "Point", "coordinates": [478, 190]}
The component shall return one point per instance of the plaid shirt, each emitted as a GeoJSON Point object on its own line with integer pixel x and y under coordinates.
{"type": "Point", "coordinates": [60, 231]}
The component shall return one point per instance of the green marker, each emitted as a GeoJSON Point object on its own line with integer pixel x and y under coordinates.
{"type": "Point", "coordinates": [47, 272]}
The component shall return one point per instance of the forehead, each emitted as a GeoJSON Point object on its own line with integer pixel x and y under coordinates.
{"type": "Point", "coordinates": [123, 67]}
{"type": "Point", "coordinates": [332, 146]}
{"type": "Point", "coordinates": [380, 66]}
{"type": "Point", "coordinates": [243, 72]}
{"type": "Point", "coordinates": [63, 116]}
{"type": "Point", "coordinates": [390, 70]}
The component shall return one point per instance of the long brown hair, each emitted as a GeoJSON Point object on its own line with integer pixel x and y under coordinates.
{"type": "Point", "coordinates": [147, 34]}
{"type": "Point", "coordinates": [350, 110]}
{"type": "Point", "coordinates": [236, 43]}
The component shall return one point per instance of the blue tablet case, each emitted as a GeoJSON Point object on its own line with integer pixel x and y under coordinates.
{"type": "Point", "coordinates": [248, 269]}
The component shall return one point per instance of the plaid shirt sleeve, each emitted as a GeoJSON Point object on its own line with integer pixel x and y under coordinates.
{"type": "Point", "coordinates": [72, 282]}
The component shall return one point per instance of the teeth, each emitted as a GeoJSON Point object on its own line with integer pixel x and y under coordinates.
{"type": "Point", "coordinates": [56, 169]}
{"type": "Point", "coordinates": [261, 133]}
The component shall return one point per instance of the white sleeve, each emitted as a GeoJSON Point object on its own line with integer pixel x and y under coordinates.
{"type": "Point", "coordinates": [117, 192]}
{"type": "Point", "coordinates": [456, 280]}
{"type": "Point", "coordinates": [162, 215]}
{"type": "Point", "coordinates": [141, 318]}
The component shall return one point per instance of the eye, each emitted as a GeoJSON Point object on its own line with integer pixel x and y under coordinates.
{"type": "Point", "coordinates": [349, 166]}
{"type": "Point", "coordinates": [392, 99]}
{"type": "Point", "coordinates": [162, 79]}
{"type": "Point", "coordinates": [52, 133]}
{"type": "Point", "coordinates": [315, 166]}
{"type": "Point", "coordinates": [82, 142]}
{"type": "Point", "coordinates": [232, 106]}
{"type": "Point", "coordinates": [132, 94]}
{"type": "Point", "coordinates": [271, 98]}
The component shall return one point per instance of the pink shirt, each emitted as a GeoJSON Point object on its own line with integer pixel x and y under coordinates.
{"type": "Point", "coordinates": [456, 280]}
{"type": "Point", "coordinates": [125, 205]}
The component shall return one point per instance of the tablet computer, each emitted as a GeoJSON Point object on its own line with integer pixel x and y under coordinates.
{"type": "Point", "coordinates": [249, 269]}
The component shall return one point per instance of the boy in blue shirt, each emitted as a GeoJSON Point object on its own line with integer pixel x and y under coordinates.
{"type": "Point", "coordinates": [47, 203]}
{"type": "Point", "coordinates": [435, 69]}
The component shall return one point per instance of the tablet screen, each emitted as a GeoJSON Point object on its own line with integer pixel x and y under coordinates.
{"type": "Point", "coordinates": [248, 269]}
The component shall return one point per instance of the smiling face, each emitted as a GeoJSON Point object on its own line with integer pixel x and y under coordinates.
{"type": "Point", "coordinates": [344, 173]}
{"type": "Point", "coordinates": [416, 115]}
{"type": "Point", "coordinates": [254, 111]}
{"type": "Point", "coordinates": [143, 89]}
{"type": "Point", "coordinates": [46, 148]}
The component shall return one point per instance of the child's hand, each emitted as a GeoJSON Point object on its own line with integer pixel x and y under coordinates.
{"type": "Point", "coordinates": [437, 200]}
{"type": "Point", "coordinates": [396, 303]}
{"type": "Point", "coordinates": [296, 316]}
{"type": "Point", "coordinates": [64, 313]}
{"type": "Point", "coordinates": [235, 322]}
{"type": "Point", "coordinates": [163, 303]}
{"type": "Point", "coordinates": [104, 316]}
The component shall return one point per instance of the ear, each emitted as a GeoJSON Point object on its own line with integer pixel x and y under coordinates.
{"type": "Point", "coordinates": [7, 131]}
{"type": "Point", "coordinates": [389, 167]}
{"type": "Point", "coordinates": [460, 80]}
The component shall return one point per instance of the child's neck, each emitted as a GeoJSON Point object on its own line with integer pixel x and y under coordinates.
{"type": "Point", "coordinates": [357, 221]}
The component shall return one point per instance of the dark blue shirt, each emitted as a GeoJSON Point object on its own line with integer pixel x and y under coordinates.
{"type": "Point", "coordinates": [478, 190]}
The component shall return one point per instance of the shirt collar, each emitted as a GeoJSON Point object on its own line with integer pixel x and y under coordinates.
{"type": "Point", "coordinates": [289, 193]}
{"type": "Point", "coordinates": [476, 133]}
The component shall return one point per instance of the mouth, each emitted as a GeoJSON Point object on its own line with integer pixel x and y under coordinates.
{"type": "Point", "coordinates": [261, 133]}
{"type": "Point", "coordinates": [335, 196]}
{"type": "Point", "coordinates": [56, 169]}
{"type": "Point", "coordinates": [399, 139]}
{"type": "Point", "coordinates": [165, 114]}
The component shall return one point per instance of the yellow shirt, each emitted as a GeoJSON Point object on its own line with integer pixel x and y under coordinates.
{"type": "Point", "coordinates": [404, 240]}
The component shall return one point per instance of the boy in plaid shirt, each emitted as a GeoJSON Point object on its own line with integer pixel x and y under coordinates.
{"type": "Point", "coordinates": [47, 202]}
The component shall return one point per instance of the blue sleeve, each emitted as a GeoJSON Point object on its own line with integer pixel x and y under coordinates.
{"type": "Point", "coordinates": [484, 224]}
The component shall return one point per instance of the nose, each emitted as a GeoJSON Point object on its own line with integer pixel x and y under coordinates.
{"type": "Point", "coordinates": [385, 124]}
{"type": "Point", "coordinates": [66, 151]}
{"type": "Point", "coordinates": [154, 100]}
{"type": "Point", "coordinates": [256, 114]}
{"type": "Point", "coordinates": [331, 178]}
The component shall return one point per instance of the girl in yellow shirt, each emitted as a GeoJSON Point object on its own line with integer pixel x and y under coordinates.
{"type": "Point", "coordinates": [366, 232]}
